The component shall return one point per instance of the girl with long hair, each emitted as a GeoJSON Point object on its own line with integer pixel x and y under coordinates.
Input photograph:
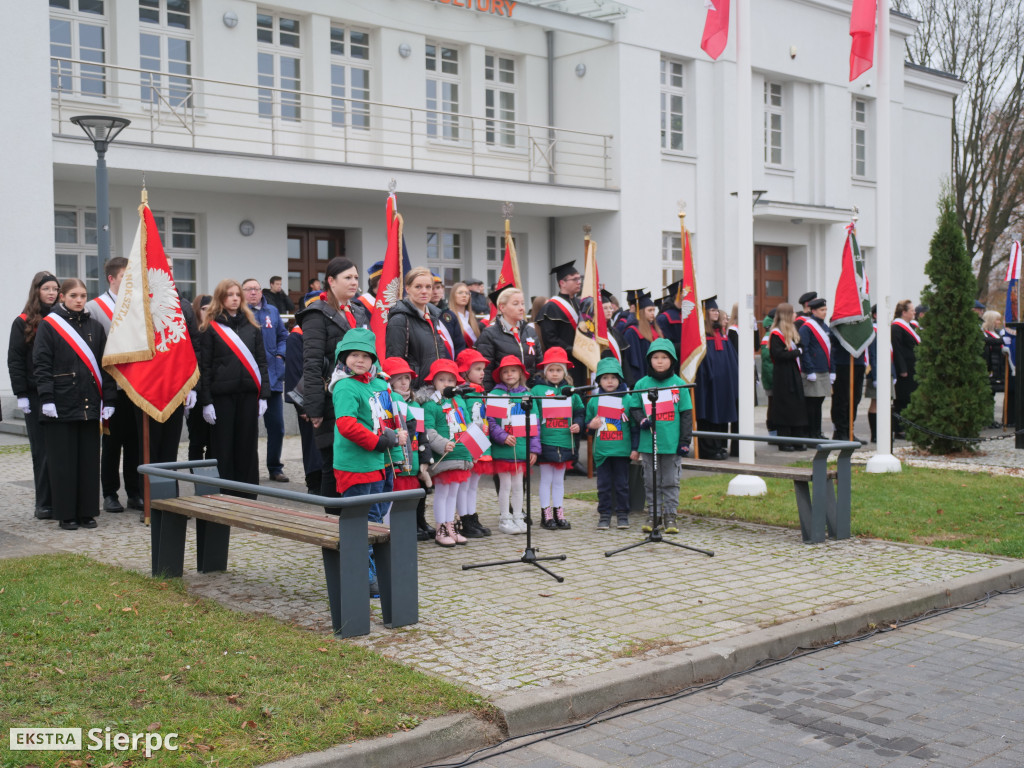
{"type": "Point", "coordinates": [788, 408]}
{"type": "Point", "coordinates": [460, 302]}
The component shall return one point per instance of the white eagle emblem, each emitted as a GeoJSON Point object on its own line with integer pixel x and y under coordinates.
{"type": "Point", "coordinates": [165, 309]}
{"type": "Point", "coordinates": [686, 306]}
{"type": "Point", "coordinates": [388, 297]}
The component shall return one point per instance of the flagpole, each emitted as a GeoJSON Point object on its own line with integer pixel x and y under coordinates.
{"type": "Point", "coordinates": [884, 460]}
{"type": "Point", "coordinates": [700, 308]}
{"type": "Point", "coordinates": [850, 401]}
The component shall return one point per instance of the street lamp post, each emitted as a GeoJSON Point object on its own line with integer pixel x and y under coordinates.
{"type": "Point", "coordinates": [102, 130]}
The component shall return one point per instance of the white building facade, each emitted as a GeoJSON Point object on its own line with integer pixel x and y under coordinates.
{"type": "Point", "coordinates": [268, 133]}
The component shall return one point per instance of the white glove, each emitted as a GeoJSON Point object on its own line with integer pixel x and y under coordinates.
{"type": "Point", "coordinates": [832, 378]}
{"type": "Point", "coordinates": [209, 414]}
{"type": "Point", "coordinates": [106, 412]}
{"type": "Point", "coordinates": [262, 407]}
{"type": "Point", "coordinates": [812, 377]}
{"type": "Point", "coordinates": [49, 409]}
{"type": "Point", "coordinates": [23, 405]}
{"type": "Point", "coordinates": [190, 400]}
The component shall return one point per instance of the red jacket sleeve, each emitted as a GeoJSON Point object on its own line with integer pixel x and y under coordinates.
{"type": "Point", "coordinates": [351, 429]}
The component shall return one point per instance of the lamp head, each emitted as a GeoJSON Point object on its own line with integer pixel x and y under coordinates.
{"type": "Point", "coordinates": [101, 129]}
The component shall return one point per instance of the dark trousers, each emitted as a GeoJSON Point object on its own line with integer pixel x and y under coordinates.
{"type": "Point", "coordinates": [73, 448]}
{"type": "Point", "coordinates": [711, 446]}
{"type": "Point", "coordinates": [163, 438]}
{"type": "Point", "coordinates": [273, 420]}
{"type": "Point", "coordinates": [613, 485]}
{"type": "Point", "coordinates": [814, 415]}
{"type": "Point", "coordinates": [841, 398]}
{"type": "Point", "coordinates": [905, 386]}
{"type": "Point", "coordinates": [233, 439]}
{"type": "Point", "coordinates": [122, 437]}
{"type": "Point", "coordinates": [198, 435]}
{"type": "Point", "coordinates": [328, 485]}
{"type": "Point", "coordinates": [40, 461]}
{"type": "Point", "coordinates": [312, 461]}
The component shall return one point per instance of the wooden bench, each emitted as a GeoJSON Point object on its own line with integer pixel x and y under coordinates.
{"type": "Point", "coordinates": [822, 494]}
{"type": "Point", "coordinates": [343, 539]}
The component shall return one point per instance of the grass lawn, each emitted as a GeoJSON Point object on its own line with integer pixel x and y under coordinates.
{"type": "Point", "coordinates": [89, 645]}
{"type": "Point", "coordinates": [976, 512]}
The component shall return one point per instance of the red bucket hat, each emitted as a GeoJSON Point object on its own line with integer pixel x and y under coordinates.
{"type": "Point", "coordinates": [555, 355]}
{"type": "Point", "coordinates": [467, 358]}
{"type": "Point", "coordinates": [509, 361]}
{"type": "Point", "coordinates": [396, 366]}
{"type": "Point", "coordinates": [444, 366]}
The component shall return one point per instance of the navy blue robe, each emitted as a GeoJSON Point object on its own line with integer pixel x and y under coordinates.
{"type": "Point", "coordinates": [718, 384]}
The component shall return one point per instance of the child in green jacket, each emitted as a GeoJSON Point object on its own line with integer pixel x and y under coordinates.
{"type": "Point", "coordinates": [672, 417]}
{"type": "Point", "coordinates": [607, 420]}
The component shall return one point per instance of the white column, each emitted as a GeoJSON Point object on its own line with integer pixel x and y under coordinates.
{"type": "Point", "coordinates": [883, 460]}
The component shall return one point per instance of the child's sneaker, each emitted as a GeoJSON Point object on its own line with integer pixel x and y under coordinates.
{"type": "Point", "coordinates": [670, 524]}
{"type": "Point", "coordinates": [519, 518]}
{"type": "Point", "coordinates": [507, 525]}
{"type": "Point", "coordinates": [604, 522]}
{"type": "Point", "coordinates": [623, 520]}
{"type": "Point", "coordinates": [649, 525]}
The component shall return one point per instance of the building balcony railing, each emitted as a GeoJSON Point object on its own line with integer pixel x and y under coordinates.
{"type": "Point", "coordinates": [179, 110]}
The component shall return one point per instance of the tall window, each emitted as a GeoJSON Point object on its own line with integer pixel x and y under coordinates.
{"type": "Point", "coordinates": [672, 98]}
{"type": "Point", "coordinates": [496, 254]}
{"type": "Point", "coordinates": [78, 30]}
{"type": "Point", "coordinates": [350, 77]}
{"type": "Point", "coordinates": [444, 254]}
{"type": "Point", "coordinates": [279, 61]}
{"type": "Point", "coordinates": [165, 45]}
{"type": "Point", "coordinates": [671, 257]}
{"type": "Point", "coordinates": [859, 118]}
{"type": "Point", "coordinates": [182, 248]}
{"type": "Point", "coordinates": [74, 235]}
{"type": "Point", "coordinates": [773, 112]}
{"type": "Point", "coordinates": [443, 92]}
{"type": "Point", "coordinates": [500, 99]}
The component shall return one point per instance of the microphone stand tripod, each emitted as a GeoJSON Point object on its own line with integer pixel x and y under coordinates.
{"type": "Point", "coordinates": [655, 535]}
{"type": "Point", "coordinates": [529, 556]}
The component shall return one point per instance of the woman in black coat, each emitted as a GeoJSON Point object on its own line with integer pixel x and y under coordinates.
{"type": "Point", "coordinates": [72, 391]}
{"type": "Point", "coordinates": [509, 335]}
{"type": "Point", "coordinates": [233, 383]}
{"type": "Point", "coordinates": [410, 334]}
{"type": "Point", "coordinates": [788, 409]}
{"type": "Point", "coordinates": [42, 295]}
{"type": "Point", "coordinates": [324, 323]}
{"type": "Point", "coordinates": [905, 338]}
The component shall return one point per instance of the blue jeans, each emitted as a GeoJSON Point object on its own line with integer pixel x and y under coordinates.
{"type": "Point", "coordinates": [377, 511]}
{"type": "Point", "coordinates": [273, 420]}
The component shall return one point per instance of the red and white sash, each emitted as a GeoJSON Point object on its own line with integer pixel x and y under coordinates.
{"type": "Point", "coordinates": [442, 331]}
{"type": "Point", "coordinates": [901, 323]}
{"type": "Point", "coordinates": [993, 335]}
{"type": "Point", "coordinates": [236, 345]}
{"type": "Point", "coordinates": [106, 304]}
{"type": "Point", "coordinates": [614, 346]}
{"type": "Point", "coordinates": [823, 340]}
{"type": "Point", "coordinates": [369, 302]}
{"type": "Point", "coordinates": [84, 352]}
{"type": "Point", "coordinates": [467, 329]}
{"type": "Point", "coordinates": [567, 308]}
{"type": "Point", "coordinates": [786, 344]}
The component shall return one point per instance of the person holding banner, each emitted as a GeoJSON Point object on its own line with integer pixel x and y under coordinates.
{"type": "Point", "coordinates": [816, 364]}
{"type": "Point", "coordinates": [510, 452]}
{"type": "Point", "coordinates": [509, 334]}
{"type": "Point", "coordinates": [42, 295]}
{"type": "Point", "coordinates": [75, 394]}
{"type": "Point", "coordinates": [415, 330]}
{"type": "Point", "coordinates": [607, 419]}
{"type": "Point", "coordinates": [233, 383]}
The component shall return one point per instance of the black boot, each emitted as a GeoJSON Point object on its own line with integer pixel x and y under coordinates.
{"type": "Point", "coordinates": [471, 527]}
{"type": "Point", "coordinates": [424, 532]}
{"type": "Point", "coordinates": [873, 423]}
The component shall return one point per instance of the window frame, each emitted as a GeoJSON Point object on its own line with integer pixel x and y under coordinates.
{"type": "Point", "coordinates": [165, 33]}
{"type": "Point", "coordinates": [277, 51]}
{"type": "Point", "coordinates": [862, 127]}
{"type": "Point", "coordinates": [450, 269]}
{"type": "Point", "coordinates": [671, 266]}
{"type": "Point", "coordinates": [444, 125]}
{"type": "Point", "coordinates": [772, 111]}
{"type": "Point", "coordinates": [494, 253]}
{"type": "Point", "coordinates": [667, 92]}
{"type": "Point", "coordinates": [180, 253]}
{"type": "Point", "coordinates": [348, 111]}
{"type": "Point", "coordinates": [73, 73]}
{"type": "Point", "coordinates": [82, 250]}
{"type": "Point", "coordinates": [495, 126]}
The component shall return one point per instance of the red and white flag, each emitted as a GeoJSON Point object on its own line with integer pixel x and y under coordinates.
{"type": "Point", "coordinates": [557, 409]}
{"type": "Point", "coordinates": [666, 402]}
{"type": "Point", "coordinates": [862, 30]}
{"type": "Point", "coordinates": [416, 418]}
{"type": "Point", "coordinates": [149, 351]}
{"type": "Point", "coordinates": [609, 407]}
{"type": "Point", "coordinates": [692, 346]}
{"type": "Point", "coordinates": [389, 290]}
{"type": "Point", "coordinates": [497, 408]}
{"type": "Point", "coordinates": [1013, 268]}
{"type": "Point", "coordinates": [517, 424]}
{"type": "Point", "coordinates": [716, 28]}
{"type": "Point", "coordinates": [475, 441]}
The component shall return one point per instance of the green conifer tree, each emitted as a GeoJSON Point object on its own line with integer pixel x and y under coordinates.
{"type": "Point", "coordinates": [952, 395]}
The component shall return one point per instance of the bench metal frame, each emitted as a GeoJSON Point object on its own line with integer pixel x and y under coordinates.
{"type": "Point", "coordinates": [824, 509]}
{"type": "Point", "coordinates": [345, 568]}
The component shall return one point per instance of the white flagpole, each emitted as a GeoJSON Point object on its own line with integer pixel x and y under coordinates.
{"type": "Point", "coordinates": [883, 460]}
{"type": "Point", "coordinates": [745, 485]}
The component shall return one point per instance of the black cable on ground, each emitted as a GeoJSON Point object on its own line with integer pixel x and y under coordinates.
{"type": "Point", "coordinates": [613, 712]}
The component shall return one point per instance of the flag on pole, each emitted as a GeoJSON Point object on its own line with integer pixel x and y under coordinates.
{"type": "Point", "coordinates": [517, 423]}
{"type": "Point", "coordinates": [1012, 311]}
{"type": "Point", "coordinates": [560, 408]}
{"type": "Point", "coordinates": [862, 30]}
{"type": "Point", "coordinates": [666, 402]}
{"type": "Point", "coordinates": [609, 407]}
{"type": "Point", "coordinates": [716, 28]}
{"type": "Point", "coordinates": [851, 311]}
{"type": "Point", "coordinates": [389, 290]}
{"type": "Point", "coordinates": [416, 416]}
{"type": "Point", "coordinates": [497, 408]}
{"type": "Point", "coordinates": [592, 330]}
{"type": "Point", "coordinates": [509, 277]}
{"type": "Point", "coordinates": [475, 441]}
{"type": "Point", "coordinates": [149, 351]}
{"type": "Point", "coordinates": [692, 346]}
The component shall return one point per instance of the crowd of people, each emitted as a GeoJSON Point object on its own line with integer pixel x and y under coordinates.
{"type": "Point", "coordinates": [469, 385]}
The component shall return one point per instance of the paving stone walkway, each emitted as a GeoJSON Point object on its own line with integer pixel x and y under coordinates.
{"type": "Point", "coordinates": [506, 628]}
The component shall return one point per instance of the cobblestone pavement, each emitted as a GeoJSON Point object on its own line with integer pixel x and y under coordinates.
{"type": "Point", "coordinates": [502, 629]}
{"type": "Point", "coordinates": [946, 691]}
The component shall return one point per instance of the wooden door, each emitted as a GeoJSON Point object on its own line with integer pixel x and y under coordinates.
{"type": "Point", "coordinates": [771, 278]}
{"type": "Point", "coordinates": [309, 251]}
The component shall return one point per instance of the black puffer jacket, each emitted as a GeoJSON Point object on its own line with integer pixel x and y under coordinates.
{"type": "Point", "coordinates": [497, 340]}
{"type": "Point", "coordinates": [62, 377]}
{"type": "Point", "coordinates": [220, 370]}
{"type": "Point", "coordinates": [19, 359]}
{"type": "Point", "coordinates": [322, 328]}
{"type": "Point", "coordinates": [410, 337]}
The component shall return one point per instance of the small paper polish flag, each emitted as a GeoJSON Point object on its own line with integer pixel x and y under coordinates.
{"type": "Point", "coordinates": [609, 407]}
{"type": "Point", "coordinates": [557, 409]}
{"type": "Point", "coordinates": [416, 415]}
{"type": "Point", "coordinates": [517, 424]}
{"type": "Point", "coordinates": [475, 440]}
{"type": "Point", "coordinates": [497, 408]}
{"type": "Point", "coordinates": [666, 403]}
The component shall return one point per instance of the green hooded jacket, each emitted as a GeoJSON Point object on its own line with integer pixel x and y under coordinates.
{"type": "Point", "coordinates": [675, 424]}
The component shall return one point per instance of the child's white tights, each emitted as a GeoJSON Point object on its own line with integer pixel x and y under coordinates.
{"type": "Point", "coordinates": [510, 489]}
{"type": "Point", "coordinates": [467, 496]}
{"type": "Point", "coordinates": [552, 486]}
{"type": "Point", "coordinates": [445, 497]}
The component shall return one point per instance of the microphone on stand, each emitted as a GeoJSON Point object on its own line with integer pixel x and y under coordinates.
{"type": "Point", "coordinates": [569, 391]}
{"type": "Point", "coordinates": [462, 389]}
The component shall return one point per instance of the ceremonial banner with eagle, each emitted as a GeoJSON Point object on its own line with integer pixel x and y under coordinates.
{"type": "Point", "coordinates": [592, 330]}
{"type": "Point", "coordinates": [389, 291]}
{"type": "Point", "coordinates": [692, 346]}
{"type": "Point", "coordinates": [851, 311]}
{"type": "Point", "coordinates": [149, 351]}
